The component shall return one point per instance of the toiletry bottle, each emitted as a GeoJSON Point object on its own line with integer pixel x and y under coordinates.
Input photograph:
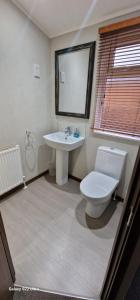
{"type": "Point", "coordinates": [76, 133]}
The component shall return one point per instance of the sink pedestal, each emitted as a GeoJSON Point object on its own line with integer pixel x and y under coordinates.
{"type": "Point", "coordinates": [62, 158]}
{"type": "Point", "coordinates": [62, 144]}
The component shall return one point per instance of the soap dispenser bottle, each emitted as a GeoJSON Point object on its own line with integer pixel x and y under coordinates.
{"type": "Point", "coordinates": [76, 133]}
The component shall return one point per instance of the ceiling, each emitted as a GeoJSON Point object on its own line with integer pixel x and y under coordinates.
{"type": "Point", "coordinates": [56, 17]}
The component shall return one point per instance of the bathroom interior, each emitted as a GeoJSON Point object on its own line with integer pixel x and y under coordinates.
{"type": "Point", "coordinates": [66, 153]}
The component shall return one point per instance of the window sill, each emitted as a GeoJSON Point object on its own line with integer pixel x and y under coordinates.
{"type": "Point", "coordinates": [118, 136]}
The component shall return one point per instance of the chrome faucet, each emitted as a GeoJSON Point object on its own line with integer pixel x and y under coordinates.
{"type": "Point", "coordinates": [68, 131]}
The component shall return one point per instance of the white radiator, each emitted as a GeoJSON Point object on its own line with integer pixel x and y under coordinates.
{"type": "Point", "coordinates": [11, 174]}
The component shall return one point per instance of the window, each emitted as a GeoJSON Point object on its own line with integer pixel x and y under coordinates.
{"type": "Point", "coordinates": [127, 60]}
{"type": "Point", "coordinates": [118, 82]}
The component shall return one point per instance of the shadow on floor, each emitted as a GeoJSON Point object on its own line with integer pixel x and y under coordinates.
{"type": "Point", "coordinates": [71, 186]}
{"type": "Point", "coordinates": [92, 223]}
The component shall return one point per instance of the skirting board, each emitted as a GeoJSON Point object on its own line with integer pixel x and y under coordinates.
{"type": "Point", "coordinates": [30, 181]}
{"type": "Point", "coordinates": [75, 178]}
{"type": "Point", "coordinates": [118, 198]}
{"type": "Point", "coordinates": [4, 196]}
{"type": "Point", "coordinates": [36, 177]}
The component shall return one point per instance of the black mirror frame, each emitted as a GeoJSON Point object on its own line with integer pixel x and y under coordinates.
{"type": "Point", "coordinates": [91, 46]}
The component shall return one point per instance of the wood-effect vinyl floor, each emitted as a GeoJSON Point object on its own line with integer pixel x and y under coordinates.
{"type": "Point", "coordinates": [53, 244]}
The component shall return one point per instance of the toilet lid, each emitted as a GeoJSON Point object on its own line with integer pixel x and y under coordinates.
{"type": "Point", "coordinates": [98, 185]}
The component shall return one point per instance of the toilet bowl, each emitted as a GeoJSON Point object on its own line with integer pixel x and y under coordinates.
{"type": "Point", "coordinates": [98, 186]}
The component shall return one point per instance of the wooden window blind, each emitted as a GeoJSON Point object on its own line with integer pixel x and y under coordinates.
{"type": "Point", "coordinates": [118, 82]}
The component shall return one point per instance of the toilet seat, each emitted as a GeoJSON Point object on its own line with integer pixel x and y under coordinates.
{"type": "Point", "coordinates": [98, 186]}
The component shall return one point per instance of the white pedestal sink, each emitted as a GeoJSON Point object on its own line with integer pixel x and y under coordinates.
{"type": "Point", "coordinates": [63, 145]}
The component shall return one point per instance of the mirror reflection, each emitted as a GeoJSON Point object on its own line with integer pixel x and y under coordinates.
{"type": "Point", "coordinates": [74, 71]}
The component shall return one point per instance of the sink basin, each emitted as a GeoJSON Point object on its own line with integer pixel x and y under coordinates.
{"type": "Point", "coordinates": [58, 140]}
{"type": "Point", "coordinates": [63, 144]}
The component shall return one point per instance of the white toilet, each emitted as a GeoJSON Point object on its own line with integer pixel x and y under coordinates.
{"type": "Point", "coordinates": [98, 186]}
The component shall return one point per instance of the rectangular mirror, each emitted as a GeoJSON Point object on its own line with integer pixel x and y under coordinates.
{"type": "Point", "coordinates": [73, 80]}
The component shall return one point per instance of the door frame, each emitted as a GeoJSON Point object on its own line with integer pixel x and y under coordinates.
{"type": "Point", "coordinates": [126, 240]}
{"type": "Point", "coordinates": [6, 249]}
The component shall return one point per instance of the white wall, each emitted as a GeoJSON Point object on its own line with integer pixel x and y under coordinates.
{"type": "Point", "coordinates": [26, 103]}
{"type": "Point", "coordinates": [82, 160]}
{"type": "Point", "coordinates": [24, 100]}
